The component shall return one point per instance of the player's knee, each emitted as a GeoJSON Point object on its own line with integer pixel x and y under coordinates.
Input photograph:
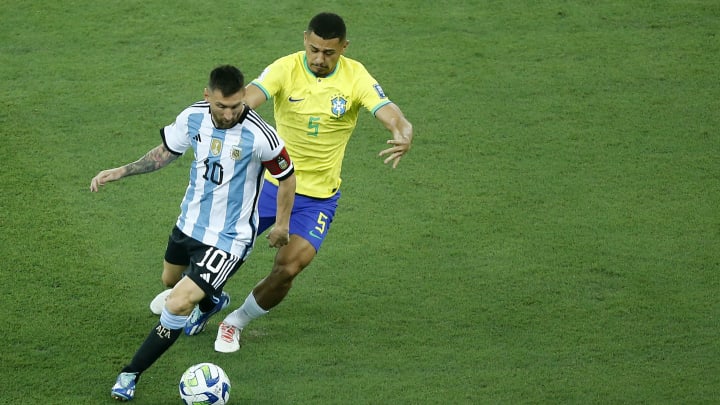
{"type": "Point", "coordinates": [287, 271]}
{"type": "Point", "coordinates": [179, 304]}
{"type": "Point", "coordinates": [281, 277]}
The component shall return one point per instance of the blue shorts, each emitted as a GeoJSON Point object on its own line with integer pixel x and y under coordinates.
{"type": "Point", "coordinates": [310, 218]}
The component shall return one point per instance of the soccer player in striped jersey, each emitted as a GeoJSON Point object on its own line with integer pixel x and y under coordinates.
{"type": "Point", "coordinates": [233, 148]}
{"type": "Point", "coordinates": [317, 95]}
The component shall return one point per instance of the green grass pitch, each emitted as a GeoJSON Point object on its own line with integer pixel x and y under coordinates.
{"type": "Point", "coordinates": [552, 237]}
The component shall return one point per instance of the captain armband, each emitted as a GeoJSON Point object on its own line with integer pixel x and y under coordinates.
{"type": "Point", "coordinates": [281, 166]}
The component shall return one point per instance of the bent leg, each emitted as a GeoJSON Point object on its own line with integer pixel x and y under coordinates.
{"type": "Point", "coordinates": [310, 217]}
{"type": "Point", "coordinates": [290, 260]}
{"type": "Point", "coordinates": [183, 298]}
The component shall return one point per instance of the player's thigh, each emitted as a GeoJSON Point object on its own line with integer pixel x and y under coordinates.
{"type": "Point", "coordinates": [296, 255]}
{"type": "Point", "coordinates": [172, 273]}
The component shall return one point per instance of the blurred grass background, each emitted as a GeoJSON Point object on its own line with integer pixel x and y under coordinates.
{"type": "Point", "coordinates": [553, 236]}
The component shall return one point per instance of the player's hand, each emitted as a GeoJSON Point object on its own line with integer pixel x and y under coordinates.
{"type": "Point", "coordinates": [105, 176]}
{"type": "Point", "coordinates": [396, 151]}
{"type": "Point", "coordinates": [278, 237]}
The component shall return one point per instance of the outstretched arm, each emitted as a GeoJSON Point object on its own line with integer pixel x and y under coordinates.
{"type": "Point", "coordinates": [402, 133]}
{"type": "Point", "coordinates": [155, 159]}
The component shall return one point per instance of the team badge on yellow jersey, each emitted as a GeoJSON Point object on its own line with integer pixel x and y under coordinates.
{"type": "Point", "coordinates": [338, 106]}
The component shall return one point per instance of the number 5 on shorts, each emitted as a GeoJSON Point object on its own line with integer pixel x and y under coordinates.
{"type": "Point", "coordinates": [320, 228]}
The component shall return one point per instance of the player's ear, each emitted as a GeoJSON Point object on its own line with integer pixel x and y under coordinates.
{"type": "Point", "coordinates": [206, 94]}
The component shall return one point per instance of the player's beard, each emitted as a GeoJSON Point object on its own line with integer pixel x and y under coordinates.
{"type": "Point", "coordinates": [222, 124]}
{"type": "Point", "coordinates": [320, 71]}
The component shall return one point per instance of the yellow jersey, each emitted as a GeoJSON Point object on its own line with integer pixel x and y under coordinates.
{"type": "Point", "coordinates": [316, 116]}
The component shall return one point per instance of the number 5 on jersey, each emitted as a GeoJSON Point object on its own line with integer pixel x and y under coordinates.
{"type": "Point", "coordinates": [314, 126]}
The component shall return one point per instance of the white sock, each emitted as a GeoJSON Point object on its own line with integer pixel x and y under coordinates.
{"type": "Point", "coordinates": [248, 311]}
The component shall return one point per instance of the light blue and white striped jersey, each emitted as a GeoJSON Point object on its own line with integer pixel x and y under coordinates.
{"type": "Point", "coordinates": [220, 204]}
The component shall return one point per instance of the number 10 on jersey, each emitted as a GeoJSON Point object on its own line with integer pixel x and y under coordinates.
{"type": "Point", "coordinates": [213, 172]}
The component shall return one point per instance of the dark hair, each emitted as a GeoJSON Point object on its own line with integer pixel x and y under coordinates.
{"type": "Point", "coordinates": [227, 78]}
{"type": "Point", "coordinates": [328, 26]}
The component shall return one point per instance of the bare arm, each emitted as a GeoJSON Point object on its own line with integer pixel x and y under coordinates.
{"type": "Point", "coordinates": [254, 97]}
{"type": "Point", "coordinates": [279, 235]}
{"type": "Point", "coordinates": [154, 159]}
{"type": "Point", "coordinates": [402, 133]}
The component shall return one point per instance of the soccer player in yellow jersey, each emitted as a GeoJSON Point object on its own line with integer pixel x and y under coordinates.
{"type": "Point", "coordinates": [318, 94]}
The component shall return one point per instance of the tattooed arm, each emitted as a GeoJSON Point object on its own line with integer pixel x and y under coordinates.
{"type": "Point", "coordinates": [155, 159]}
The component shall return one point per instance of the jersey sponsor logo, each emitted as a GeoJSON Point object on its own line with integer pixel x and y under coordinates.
{"type": "Point", "coordinates": [312, 233]}
{"type": "Point", "coordinates": [294, 100]}
{"type": "Point", "coordinates": [197, 138]}
{"type": "Point", "coordinates": [236, 153]}
{"type": "Point", "coordinates": [379, 90]}
{"type": "Point", "coordinates": [216, 147]}
{"type": "Point", "coordinates": [338, 106]}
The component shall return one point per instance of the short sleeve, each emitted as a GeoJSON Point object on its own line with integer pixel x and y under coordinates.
{"type": "Point", "coordinates": [369, 92]}
{"type": "Point", "coordinates": [175, 136]}
{"type": "Point", "coordinates": [271, 79]}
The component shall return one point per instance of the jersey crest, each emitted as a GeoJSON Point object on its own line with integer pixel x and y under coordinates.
{"type": "Point", "coordinates": [236, 153]}
{"type": "Point", "coordinates": [338, 106]}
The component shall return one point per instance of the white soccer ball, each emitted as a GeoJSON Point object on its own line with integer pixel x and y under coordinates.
{"type": "Point", "coordinates": [206, 384]}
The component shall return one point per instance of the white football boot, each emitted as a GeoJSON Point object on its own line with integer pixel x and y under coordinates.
{"type": "Point", "coordinates": [228, 338]}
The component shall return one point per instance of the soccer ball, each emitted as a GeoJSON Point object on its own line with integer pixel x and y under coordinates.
{"type": "Point", "coordinates": [205, 384]}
